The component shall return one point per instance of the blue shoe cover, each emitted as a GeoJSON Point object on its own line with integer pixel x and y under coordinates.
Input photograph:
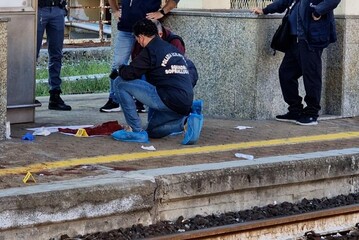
{"type": "Point", "coordinates": [194, 127]}
{"type": "Point", "coordinates": [197, 106]}
{"type": "Point", "coordinates": [125, 136]}
{"type": "Point", "coordinates": [28, 137]}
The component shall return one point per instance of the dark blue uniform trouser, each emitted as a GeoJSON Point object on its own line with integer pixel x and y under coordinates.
{"type": "Point", "coordinates": [51, 20]}
{"type": "Point", "coordinates": [300, 60]}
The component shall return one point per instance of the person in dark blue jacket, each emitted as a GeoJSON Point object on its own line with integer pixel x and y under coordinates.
{"type": "Point", "coordinates": [167, 91]}
{"type": "Point", "coordinates": [312, 26]}
{"type": "Point", "coordinates": [174, 40]}
{"type": "Point", "coordinates": [50, 18]}
{"type": "Point", "coordinates": [131, 12]}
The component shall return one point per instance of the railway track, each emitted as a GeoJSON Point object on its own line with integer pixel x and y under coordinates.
{"type": "Point", "coordinates": [339, 220]}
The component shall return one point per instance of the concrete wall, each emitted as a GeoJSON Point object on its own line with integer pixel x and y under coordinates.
{"type": "Point", "coordinates": [343, 71]}
{"type": "Point", "coordinates": [120, 199]}
{"type": "Point", "coordinates": [239, 74]}
{"type": "Point", "coordinates": [3, 77]}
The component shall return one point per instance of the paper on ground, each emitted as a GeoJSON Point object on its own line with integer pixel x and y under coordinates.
{"type": "Point", "coordinates": [149, 148]}
{"type": "Point", "coordinates": [242, 127]}
{"type": "Point", "coordinates": [41, 132]}
{"type": "Point", "coordinates": [245, 156]}
{"type": "Point", "coordinates": [53, 129]}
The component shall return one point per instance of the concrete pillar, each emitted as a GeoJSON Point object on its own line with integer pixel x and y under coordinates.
{"type": "Point", "coordinates": [348, 7]}
{"type": "Point", "coordinates": [3, 77]}
{"type": "Point", "coordinates": [343, 72]}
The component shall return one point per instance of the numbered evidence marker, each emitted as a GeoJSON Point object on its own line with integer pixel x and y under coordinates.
{"type": "Point", "coordinates": [81, 133]}
{"type": "Point", "coordinates": [27, 177]}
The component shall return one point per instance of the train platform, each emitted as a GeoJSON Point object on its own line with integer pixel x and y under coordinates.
{"type": "Point", "coordinates": [66, 180]}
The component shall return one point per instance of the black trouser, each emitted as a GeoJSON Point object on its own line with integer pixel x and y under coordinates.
{"type": "Point", "coordinates": [300, 60]}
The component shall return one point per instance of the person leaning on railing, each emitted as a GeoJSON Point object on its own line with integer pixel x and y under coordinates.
{"type": "Point", "coordinates": [50, 18]}
{"type": "Point", "coordinates": [131, 12]}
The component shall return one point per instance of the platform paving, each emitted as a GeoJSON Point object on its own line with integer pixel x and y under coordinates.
{"type": "Point", "coordinates": [216, 132]}
{"type": "Point", "coordinates": [68, 164]}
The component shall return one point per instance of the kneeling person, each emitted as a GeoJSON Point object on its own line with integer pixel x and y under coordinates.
{"type": "Point", "coordinates": [168, 91]}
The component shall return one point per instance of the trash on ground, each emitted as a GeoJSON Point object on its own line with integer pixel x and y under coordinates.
{"type": "Point", "coordinates": [41, 132]}
{"type": "Point", "coordinates": [28, 137]}
{"type": "Point", "coordinates": [27, 177]}
{"type": "Point", "coordinates": [8, 131]}
{"type": "Point", "coordinates": [245, 156]}
{"type": "Point", "coordinates": [54, 129]}
{"type": "Point", "coordinates": [149, 148]}
{"type": "Point", "coordinates": [242, 127]}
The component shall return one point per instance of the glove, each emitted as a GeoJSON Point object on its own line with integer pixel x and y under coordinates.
{"type": "Point", "coordinates": [114, 74]}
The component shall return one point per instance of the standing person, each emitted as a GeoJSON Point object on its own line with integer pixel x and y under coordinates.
{"type": "Point", "coordinates": [167, 91]}
{"type": "Point", "coordinates": [312, 25]}
{"type": "Point", "coordinates": [131, 12]}
{"type": "Point", "coordinates": [51, 14]}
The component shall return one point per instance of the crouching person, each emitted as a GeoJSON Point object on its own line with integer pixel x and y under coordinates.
{"type": "Point", "coordinates": [168, 91]}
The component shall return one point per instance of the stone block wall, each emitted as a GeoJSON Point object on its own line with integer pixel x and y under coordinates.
{"type": "Point", "coordinates": [3, 78]}
{"type": "Point", "coordinates": [239, 73]}
{"type": "Point", "coordinates": [343, 69]}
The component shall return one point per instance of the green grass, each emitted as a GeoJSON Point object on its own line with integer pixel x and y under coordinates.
{"type": "Point", "coordinates": [76, 69]}
{"type": "Point", "coordinates": [81, 86]}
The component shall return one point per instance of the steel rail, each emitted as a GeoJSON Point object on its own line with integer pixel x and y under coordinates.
{"type": "Point", "coordinates": [232, 229]}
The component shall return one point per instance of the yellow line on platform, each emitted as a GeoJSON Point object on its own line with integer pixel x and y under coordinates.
{"type": "Point", "coordinates": [176, 152]}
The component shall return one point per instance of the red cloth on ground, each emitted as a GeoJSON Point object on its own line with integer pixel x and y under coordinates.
{"type": "Point", "coordinates": [106, 128]}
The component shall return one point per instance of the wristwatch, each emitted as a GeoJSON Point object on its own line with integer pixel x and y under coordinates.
{"type": "Point", "coordinates": [162, 12]}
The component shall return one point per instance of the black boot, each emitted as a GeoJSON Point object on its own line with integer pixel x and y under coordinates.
{"type": "Point", "coordinates": [56, 103]}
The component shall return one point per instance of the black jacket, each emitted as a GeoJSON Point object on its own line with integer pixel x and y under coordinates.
{"type": "Point", "coordinates": [318, 34]}
{"type": "Point", "coordinates": [134, 10]}
{"type": "Point", "coordinates": [166, 69]}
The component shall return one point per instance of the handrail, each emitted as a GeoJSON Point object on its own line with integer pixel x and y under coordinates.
{"type": "Point", "coordinates": [72, 22]}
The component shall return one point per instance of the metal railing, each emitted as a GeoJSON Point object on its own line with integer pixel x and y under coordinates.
{"type": "Point", "coordinates": [90, 25]}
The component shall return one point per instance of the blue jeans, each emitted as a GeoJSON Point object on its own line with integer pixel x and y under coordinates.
{"type": "Point", "coordinates": [52, 20]}
{"type": "Point", "coordinates": [162, 121]}
{"type": "Point", "coordinates": [122, 52]}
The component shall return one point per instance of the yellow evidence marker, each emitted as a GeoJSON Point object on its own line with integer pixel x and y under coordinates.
{"type": "Point", "coordinates": [27, 177]}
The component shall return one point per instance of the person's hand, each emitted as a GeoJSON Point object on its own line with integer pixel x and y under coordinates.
{"type": "Point", "coordinates": [316, 18]}
{"type": "Point", "coordinates": [116, 14]}
{"type": "Point", "coordinates": [257, 10]}
{"type": "Point", "coordinates": [154, 15]}
{"type": "Point", "coordinates": [114, 74]}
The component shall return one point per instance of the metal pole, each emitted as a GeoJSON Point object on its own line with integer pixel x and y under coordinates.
{"type": "Point", "coordinates": [102, 17]}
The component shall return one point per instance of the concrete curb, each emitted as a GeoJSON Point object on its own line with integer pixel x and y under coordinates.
{"type": "Point", "coordinates": [103, 202]}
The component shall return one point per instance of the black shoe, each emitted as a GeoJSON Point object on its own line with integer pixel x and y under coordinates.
{"type": "Point", "coordinates": [140, 108]}
{"type": "Point", "coordinates": [56, 102]}
{"type": "Point", "coordinates": [307, 120]}
{"type": "Point", "coordinates": [288, 117]}
{"type": "Point", "coordinates": [110, 106]}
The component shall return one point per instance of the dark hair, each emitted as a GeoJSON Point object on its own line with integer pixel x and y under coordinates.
{"type": "Point", "coordinates": [145, 27]}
